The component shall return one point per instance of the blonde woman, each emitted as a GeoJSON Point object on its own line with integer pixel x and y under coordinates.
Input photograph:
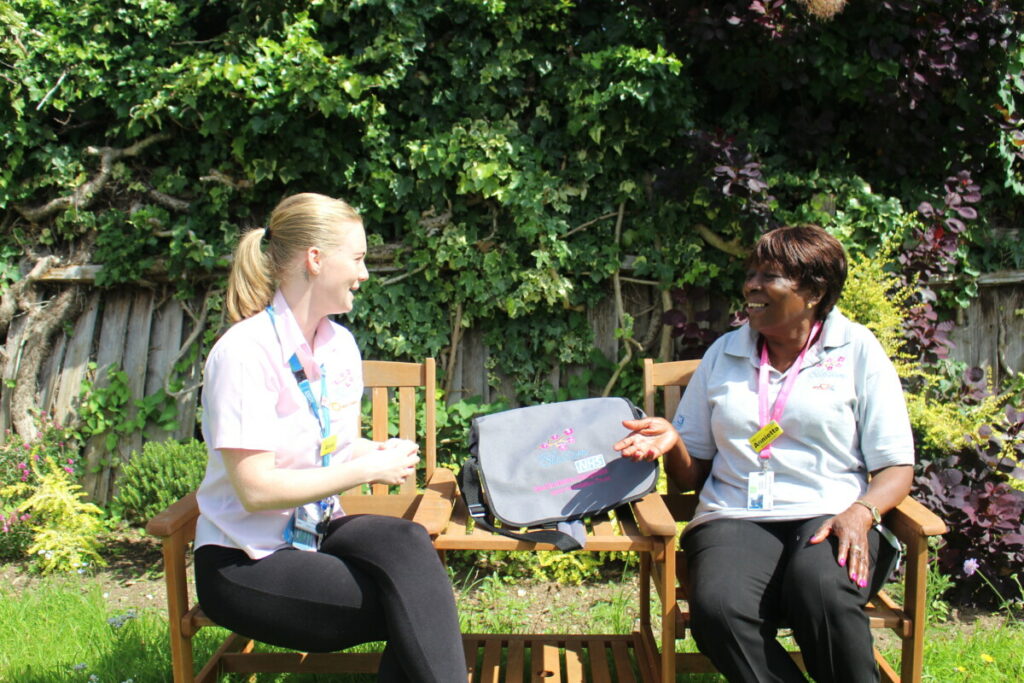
{"type": "Point", "coordinates": [276, 557]}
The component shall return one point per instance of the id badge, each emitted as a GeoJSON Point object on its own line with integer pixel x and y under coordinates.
{"type": "Point", "coordinates": [759, 490]}
{"type": "Point", "coordinates": [306, 526]}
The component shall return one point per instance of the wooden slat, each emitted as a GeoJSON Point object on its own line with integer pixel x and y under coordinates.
{"type": "Point", "coordinates": [515, 662]}
{"type": "Point", "coordinates": [407, 426]}
{"type": "Point", "coordinates": [379, 425]}
{"type": "Point", "coordinates": [623, 666]}
{"type": "Point", "coordinates": [394, 505]}
{"type": "Point", "coordinates": [165, 343]}
{"type": "Point", "coordinates": [574, 661]}
{"type": "Point", "coordinates": [545, 663]}
{"type": "Point", "coordinates": [136, 356]}
{"type": "Point", "coordinates": [490, 671]}
{"type": "Point", "coordinates": [76, 359]}
{"type": "Point", "coordinates": [49, 373]}
{"type": "Point", "coordinates": [391, 374]}
{"type": "Point", "coordinates": [301, 662]}
{"type": "Point", "coordinates": [599, 671]}
{"type": "Point", "coordinates": [109, 353]}
{"type": "Point", "coordinates": [603, 526]}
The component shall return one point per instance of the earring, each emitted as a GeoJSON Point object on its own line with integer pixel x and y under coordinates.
{"type": "Point", "coordinates": [809, 306]}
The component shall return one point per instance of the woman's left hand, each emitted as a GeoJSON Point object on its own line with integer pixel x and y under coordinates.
{"type": "Point", "coordinates": [850, 528]}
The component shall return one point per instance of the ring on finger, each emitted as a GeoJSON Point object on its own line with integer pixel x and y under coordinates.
{"type": "Point", "coordinates": [855, 548]}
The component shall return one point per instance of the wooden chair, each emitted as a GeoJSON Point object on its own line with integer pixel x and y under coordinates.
{"type": "Point", "coordinates": [910, 521]}
{"type": "Point", "coordinates": [387, 382]}
{"type": "Point", "coordinates": [644, 527]}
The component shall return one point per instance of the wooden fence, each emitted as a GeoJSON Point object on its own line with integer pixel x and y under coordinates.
{"type": "Point", "coordinates": [145, 331]}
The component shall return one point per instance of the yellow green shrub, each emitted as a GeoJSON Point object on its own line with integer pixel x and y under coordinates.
{"type": "Point", "coordinates": [66, 531]}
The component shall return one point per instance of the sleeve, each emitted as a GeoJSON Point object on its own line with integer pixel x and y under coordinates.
{"type": "Point", "coordinates": [693, 416]}
{"type": "Point", "coordinates": [883, 424]}
{"type": "Point", "coordinates": [241, 401]}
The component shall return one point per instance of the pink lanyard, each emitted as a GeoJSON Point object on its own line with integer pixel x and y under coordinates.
{"type": "Point", "coordinates": [787, 389]}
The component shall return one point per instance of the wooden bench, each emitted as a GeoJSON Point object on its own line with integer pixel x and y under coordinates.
{"type": "Point", "coordinates": [644, 527]}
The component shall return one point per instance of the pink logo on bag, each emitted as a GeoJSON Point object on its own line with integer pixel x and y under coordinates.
{"type": "Point", "coordinates": [560, 441]}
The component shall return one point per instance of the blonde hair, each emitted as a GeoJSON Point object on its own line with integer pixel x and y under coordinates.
{"type": "Point", "coordinates": [296, 224]}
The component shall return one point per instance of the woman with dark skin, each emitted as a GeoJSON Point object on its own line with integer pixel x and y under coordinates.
{"type": "Point", "coordinates": [787, 532]}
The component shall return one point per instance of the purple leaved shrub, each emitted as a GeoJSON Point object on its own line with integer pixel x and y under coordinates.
{"type": "Point", "coordinates": [970, 490]}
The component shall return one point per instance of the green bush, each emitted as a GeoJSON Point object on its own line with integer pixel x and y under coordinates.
{"type": "Point", "coordinates": [155, 478]}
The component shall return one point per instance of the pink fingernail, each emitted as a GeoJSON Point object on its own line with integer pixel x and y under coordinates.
{"type": "Point", "coordinates": [842, 562]}
{"type": "Point", "coordinates": [853, 575]}
{"type": "Point", "coordinates": [863, 583]}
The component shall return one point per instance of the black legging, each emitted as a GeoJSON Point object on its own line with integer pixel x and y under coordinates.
{"type": "Point", "coordinates": [374, 578]}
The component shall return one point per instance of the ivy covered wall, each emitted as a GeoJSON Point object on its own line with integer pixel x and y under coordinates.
{"type": "Point", "coordinates": [517, 163]}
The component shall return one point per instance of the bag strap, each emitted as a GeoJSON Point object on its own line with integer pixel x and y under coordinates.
{"type": "Point", "coordinates": [472, 492]}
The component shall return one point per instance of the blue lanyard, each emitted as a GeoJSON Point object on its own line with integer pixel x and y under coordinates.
{"type": "Point", "coordinates": [324, 419]}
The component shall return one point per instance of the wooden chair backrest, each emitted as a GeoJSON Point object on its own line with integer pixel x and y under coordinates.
{"type": "Point", "coordinates": [671, 377]}
{"type": "Point", "coordinates": [384, 380]}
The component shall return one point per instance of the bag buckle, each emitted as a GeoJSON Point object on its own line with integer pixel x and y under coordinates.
{"type": "Point", "coordinates": [477, 510]}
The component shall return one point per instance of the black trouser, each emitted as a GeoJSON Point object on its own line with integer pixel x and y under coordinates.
{"type": "Point", "coordinates": [746, 579]}
{"type": "Point", "coordinates": [374, 578]}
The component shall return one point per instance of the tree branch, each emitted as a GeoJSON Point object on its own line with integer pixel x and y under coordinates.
{"type": "Point", "coordinates": [82, 196]}
{"type": "Point", "coordinates": [733, 247]}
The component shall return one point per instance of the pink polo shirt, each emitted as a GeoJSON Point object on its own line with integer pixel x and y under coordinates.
{"type": "Point", "coordinates": [251, 401]}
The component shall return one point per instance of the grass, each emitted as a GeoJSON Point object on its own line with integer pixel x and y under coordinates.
{"type": "Point", "coordinates": [65, 630]}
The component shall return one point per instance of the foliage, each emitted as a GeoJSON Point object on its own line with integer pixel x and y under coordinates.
{"type": "Point", "coordinates": [491, 144]}
{"type": "Point", "coordinates": [971, 485]}
{"type": "Point", "coordinates": [65, 529]}
{"type": "Point", "coordinates": [18, 460]}
{"type": "Point", "coordinates": [571, 568]}
{"type": "Point", "coordinates": [158, 476]}
{"type": "Point", "coordinates": [453, 423]}
{"type": "Point", "coordinates": [106, 408]}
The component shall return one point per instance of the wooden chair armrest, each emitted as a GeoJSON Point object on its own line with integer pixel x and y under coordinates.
{"type": "Point", "coordinates": [435, 507]}
{"type": "Point", "coordinates": [653, 516]}
{"type": "Point", "coordinates": [442, 484]}
{"type": "Point", "coordinates": [910, 519]}
{"type": "Point", "coordinates": [174, 518]}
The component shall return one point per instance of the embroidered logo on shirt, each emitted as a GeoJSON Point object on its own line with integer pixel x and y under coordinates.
{"type": "Point", "coordinates": [344, 377]}
{"type": "Point", "coordinates": [830, 363]}
{"type": "Point", "coordinates": [824, 386]}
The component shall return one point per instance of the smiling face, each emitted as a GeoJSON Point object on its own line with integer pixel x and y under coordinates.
{"type": "Point", "coordinates": [339, 271]}
{"type": "Point", "coordinates": [776, 304]}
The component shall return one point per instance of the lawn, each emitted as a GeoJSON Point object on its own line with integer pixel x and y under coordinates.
{"type": "Point", "coordinates": [110, 628]}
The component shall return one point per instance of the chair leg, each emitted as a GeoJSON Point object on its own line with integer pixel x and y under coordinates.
{"type": "Point", "coordinates": [912, 661]}
{"type": "Point", "coordinates": [669, 611]}
{"type": "Point", "coordinates": [181, 656]}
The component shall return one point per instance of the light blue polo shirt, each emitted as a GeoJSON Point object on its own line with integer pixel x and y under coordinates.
{"type": "Point", "coordinates": [845, 417]}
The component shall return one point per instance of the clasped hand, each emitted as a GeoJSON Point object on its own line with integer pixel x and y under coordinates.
{"type": "Point", "coordinates": [390, 462]}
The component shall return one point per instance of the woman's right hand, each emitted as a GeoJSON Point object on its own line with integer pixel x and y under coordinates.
{"type": "Point", "coordinates": [649, 438]}
{"type": "Point", "coordinates": [391, 463]}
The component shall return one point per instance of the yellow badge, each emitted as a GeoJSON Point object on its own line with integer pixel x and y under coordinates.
{"type": "Point", "coordinates": [765, 435]}
{"type": "Point", "coordinates": [329, 445]}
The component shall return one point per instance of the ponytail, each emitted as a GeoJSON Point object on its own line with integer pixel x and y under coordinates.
{"type": "Point", "coordinates": [250, 283]}
{"type": "Point", "coordinates": [297, 223]}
